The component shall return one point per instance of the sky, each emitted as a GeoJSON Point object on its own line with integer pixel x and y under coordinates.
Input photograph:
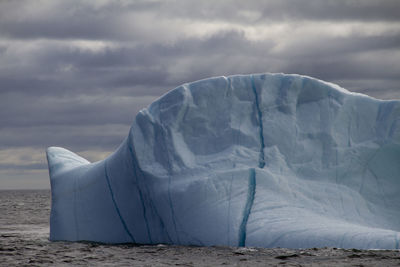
{"type": "Point", "coordinates": [75, 73]}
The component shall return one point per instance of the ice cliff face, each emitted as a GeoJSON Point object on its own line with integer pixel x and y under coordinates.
{"type": "Point", "coordinates": [255, 160]}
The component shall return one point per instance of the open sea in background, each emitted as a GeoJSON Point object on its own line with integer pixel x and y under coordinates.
{"type": "Point", "coordinates": [24, 233]}
{"type": "Point", "coordinates": [24, 214]}
{"type": "Point", "coordinates": [24, 223]}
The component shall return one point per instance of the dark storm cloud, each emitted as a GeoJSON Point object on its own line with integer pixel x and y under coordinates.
{"type": "Point", "coordinates": [47, 72]}
{"type": "Point", "coordinates": [87, 20]}
{"type": "Point", "coordinates": [58, 19]}
{"type": "Point", "coordinates": [151, 65]}
{"type": "Point", "coordinates": [254, 11]}
{"type": "Point", "coordinates": [75, 73]}
{"type": "Point", "coordinates": [343, 46]}
{"type": "Point", "coordinates": [65, 70]}
{"type": "Point", "coordinates": [353, 10]}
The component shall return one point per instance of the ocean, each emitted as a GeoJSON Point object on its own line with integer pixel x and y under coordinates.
{"type": "Point", "coordinates": [24, 232]}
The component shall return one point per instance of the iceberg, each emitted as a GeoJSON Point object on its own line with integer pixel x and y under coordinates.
{"type": "Point", "coordinates": [264, 160]}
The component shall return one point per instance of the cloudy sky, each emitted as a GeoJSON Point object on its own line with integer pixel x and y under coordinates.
{"type": "Point", "coordinates": [75, 73]}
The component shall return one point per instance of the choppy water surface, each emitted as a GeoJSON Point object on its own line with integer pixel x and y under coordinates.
{"type": "Point", "coordinates": [24, 231]}
{"type": "Point", "coordinates": [25, 213]}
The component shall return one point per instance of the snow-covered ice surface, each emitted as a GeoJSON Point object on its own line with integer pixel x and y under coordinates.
{"type": "Point", "coordinates": [266, 160]}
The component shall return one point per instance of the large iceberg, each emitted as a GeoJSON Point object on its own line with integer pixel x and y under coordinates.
{"type": "Point", "coordinates": [267, 160]}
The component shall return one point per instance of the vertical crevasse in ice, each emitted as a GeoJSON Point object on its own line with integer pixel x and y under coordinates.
{"type": "Point", "coordinates": [251, 191]}
{"type": "Point", "coordinates": [138, 177]}
{"type": "Point", "coordinates": [261, 162]}
{"type": "Point", "coordinates": [252, 172]}
{"type": "Point", "coordinates": [116, 205]}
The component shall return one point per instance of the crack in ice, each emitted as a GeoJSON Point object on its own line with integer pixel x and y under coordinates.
{"type": "Point", "coordinates": [136, 168]}
{"type": "Point", "coordinates": [116, 206]}
{"type": "Point", "coordinates": [247, 209]}
{"type": "Point", "coordinates": [261, 162]}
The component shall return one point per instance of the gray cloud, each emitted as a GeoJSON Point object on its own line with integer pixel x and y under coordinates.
{"type": "Point", "coordinates": [56, 19]}
{"type": "Point", "coordinates": [278, 10]}
{"type": "Point", "coordinates": [34, 166]}
{"type": "Point", "coordinates": [18, 110]}
{"type": "Point", "coordinates": [77, 138]}
{"type": "Point", "coordinates": [88, 20]}
{"type": "Point", "coordinates": [75, 73]}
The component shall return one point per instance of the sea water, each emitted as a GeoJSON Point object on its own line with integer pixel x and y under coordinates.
{"type": "Point", "coordinates": [24, 233]}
